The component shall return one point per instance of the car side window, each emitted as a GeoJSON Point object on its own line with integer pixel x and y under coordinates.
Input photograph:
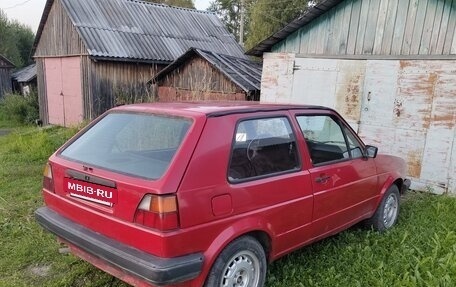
{"type": "Point", "coordinates": [261, 147]}
{"type": "Point", "coordinates": [353, 144]}
{"type": "Point", "coordinates": [326, 139]}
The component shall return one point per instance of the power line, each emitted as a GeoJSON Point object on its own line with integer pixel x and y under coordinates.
{"type": "Point", "coordinates": [17, 5]}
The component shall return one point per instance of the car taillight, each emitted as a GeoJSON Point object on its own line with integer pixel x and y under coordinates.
{"type": "Point", "coordinates": [158, 211]}
{"type": "Point", "coordinates": [48, 183]}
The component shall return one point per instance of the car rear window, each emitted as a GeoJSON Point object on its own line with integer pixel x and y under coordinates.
{"type": "Point", "coordinates": [141, 145]}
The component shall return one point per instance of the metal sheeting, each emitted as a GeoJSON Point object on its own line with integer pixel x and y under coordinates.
{"type": "Point", "coordinates": [5, 63]}
{"type": "Point", "coordinates": [243, 72]}
{"type": "Point", "coordinates": [25, 75]}
{"type": "Point", "coordinates": [127, 29]}
{"type": "Point", "coordinates": [405, 107]}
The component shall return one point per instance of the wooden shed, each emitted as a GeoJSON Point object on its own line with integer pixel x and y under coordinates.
{"type": "Point", "coordinates": [205, 75]}
{"type": "Point", "coordinates": [94, 54]}
{"type": "Point", "coordinates": [5, 75]}
{"type": "Point", "coordinates": [24, 80]}
{"type": "Point", "coordinates": [389, 66]}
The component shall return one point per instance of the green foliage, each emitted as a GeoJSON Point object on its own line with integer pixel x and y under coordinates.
{"type": "Point", "coordinates": [177, 3]}
{"type": "Point", "coordinates": [268, 16]}
{"type": "Point", "coordinates": [229, 11]}
{"type": "Point", "coordinates": [16, 41]}
{"type": "Point", "coordinates": [262, 17]}
{"type": "Point", "coordinates": [129, 94]}
{"type": "Point", "coordinates": [419, 251]}
{"type": "Point", "coordinates": [29, 254]}
{"type": "Point", "coordinates": [20, 109]}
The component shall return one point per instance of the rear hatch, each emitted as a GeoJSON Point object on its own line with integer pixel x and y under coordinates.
{"type": "Point", "coordinates": [119, 176]}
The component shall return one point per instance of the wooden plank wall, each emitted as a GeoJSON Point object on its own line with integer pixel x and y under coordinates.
{"type": "Point", "coordinates": [5, 81]}
{"type": "Point", "coordinates": [59, 37]}
{"type": "Point", "coordinates": [115, 83]}
{"type": "Point", "coordinates": [42, 95]}
{"type": "Point", "coordinates": [172, 94]}
{"type": "Point", "coordinates": [378, 27]}
{"type": "Point", "coordinates": [198, 75]}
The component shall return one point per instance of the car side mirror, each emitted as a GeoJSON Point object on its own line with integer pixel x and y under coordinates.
{"type": "Point", "coordinates": [371, 151]}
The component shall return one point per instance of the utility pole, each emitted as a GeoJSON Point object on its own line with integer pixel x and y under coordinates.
{"type": "Point", "coordinates": [241, 26]}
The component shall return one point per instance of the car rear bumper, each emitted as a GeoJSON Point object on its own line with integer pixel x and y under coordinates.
{"type": "Point", "coordinates": [150, 268]}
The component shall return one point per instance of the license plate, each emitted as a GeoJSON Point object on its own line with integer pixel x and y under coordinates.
{"type": "Point", "coordinates": [90, 191]}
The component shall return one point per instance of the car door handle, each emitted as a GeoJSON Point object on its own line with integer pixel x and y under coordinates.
{"type": "Point", "coordinates": [322, 179]}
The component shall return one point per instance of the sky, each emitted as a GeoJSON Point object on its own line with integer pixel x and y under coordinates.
{"type": "Point", "coordinates": [29, 12]}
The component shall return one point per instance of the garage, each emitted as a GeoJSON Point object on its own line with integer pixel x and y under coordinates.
{"type": "Point", "coordinates": [389, 67]}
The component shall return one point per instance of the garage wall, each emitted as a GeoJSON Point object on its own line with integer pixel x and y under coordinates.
{"type": "Point", "coordinates": [380, 27]}
{"type": "Point", "coordinates": [405, 107]}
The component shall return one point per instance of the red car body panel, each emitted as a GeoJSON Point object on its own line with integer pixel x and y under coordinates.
{"type": "Point", "coordinates": [287, 210]}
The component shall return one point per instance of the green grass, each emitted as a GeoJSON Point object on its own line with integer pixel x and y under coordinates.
{"type": "Point", "coordinates": [29, 255]}
{"type": "Point", "coordinates": [419, 251]}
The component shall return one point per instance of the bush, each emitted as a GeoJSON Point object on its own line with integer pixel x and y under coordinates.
{"type": "Point", "coordinates": [21, 109]}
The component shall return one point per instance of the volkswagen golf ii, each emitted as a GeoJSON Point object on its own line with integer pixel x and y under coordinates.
{"type": "Point", "coordinates": [206, 194]}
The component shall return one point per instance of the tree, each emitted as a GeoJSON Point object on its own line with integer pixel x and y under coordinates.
{"type": "Point", "coordinates": [229, 11]}
{"type": "Point", "coordinates": [24, 41]}
{"type": "Point", "coordinates": [177, 3]}
{"type": "Point", "coordinates": [268, 16]}
{"type": "Point", "coordinates": [16, 41]}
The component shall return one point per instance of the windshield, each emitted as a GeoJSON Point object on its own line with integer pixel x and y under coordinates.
{"type": "Point", "coordinates": [141, 145]}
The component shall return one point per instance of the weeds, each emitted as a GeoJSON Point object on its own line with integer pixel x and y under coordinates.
{"type": "Point", "coordinates": [419, 251]}
{"type": "Point", "coordinates": [20, 109]}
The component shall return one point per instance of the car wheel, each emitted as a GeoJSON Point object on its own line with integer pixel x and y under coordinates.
{"type": "Point", "coordinates": [241, 264]}
{"type": "Point", "coordinates": [387, 212]}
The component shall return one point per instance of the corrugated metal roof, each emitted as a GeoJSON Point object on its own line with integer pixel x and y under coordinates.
{"type": "Point", "coordinates": [243, 72]}
{"type": "Point", "coordinates": [309, 15]}
{"type": "Point", "coordinates": [5, 63]}
{"type": "Point", "coordinates": [136, 30]}
{"type": "Point", "coordinates": [26, 74]}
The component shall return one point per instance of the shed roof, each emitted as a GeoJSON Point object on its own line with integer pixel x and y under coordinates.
{"type": "Point", "coordinates": [5, 63]}
{"type": "Point", "coordinates": [25, 75]}
{"type": "Point", "coordinates": [310, 14]}
{"type": "Point", "coordinates": [243, 72]}
{"type": "Point", "coordinates": [134, 30]}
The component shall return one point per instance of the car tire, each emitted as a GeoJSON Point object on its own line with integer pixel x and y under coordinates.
{"type": "Point", "coordinates": [387, 212]}
{"type": "Point", "coordinates": [242, 263]}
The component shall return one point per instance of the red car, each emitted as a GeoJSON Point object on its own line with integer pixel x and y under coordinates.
{"type": "Point", "coordinates": [206, 194]}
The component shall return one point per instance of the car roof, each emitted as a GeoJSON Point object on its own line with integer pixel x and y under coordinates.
{"type": "Point", "coordinates": [215, 108]}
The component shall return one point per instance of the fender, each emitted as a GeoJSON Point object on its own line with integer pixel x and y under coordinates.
{"type": "Point", "coordinates": [387, 175]}
{"type": "Point", "coordinates": [239, 228]}
{"type": "Point", "coordinates": [387, 183]}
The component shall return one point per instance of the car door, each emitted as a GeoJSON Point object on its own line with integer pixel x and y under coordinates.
{"type": "Point", "coordinates": [344, 181]}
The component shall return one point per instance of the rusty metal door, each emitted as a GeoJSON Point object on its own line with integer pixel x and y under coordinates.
{"type": "Point", "coordinates": [406, 108]}
{"type": "Point", "coordinates": [314, 82]}
{"type": "Point", "coordinates": [438, 81]}
{"type": "Point", "coordinates": [64, 91]}
{"type": "Point", "coordinates": [409, 110]}
{"type": "Point", "coordinates": [385, 119]}
{"type": "Point", "coordinates": [332, 83]}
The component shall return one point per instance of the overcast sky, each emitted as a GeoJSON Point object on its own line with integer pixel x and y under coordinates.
{"type": "Point", "coordinates": [29, 12]}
